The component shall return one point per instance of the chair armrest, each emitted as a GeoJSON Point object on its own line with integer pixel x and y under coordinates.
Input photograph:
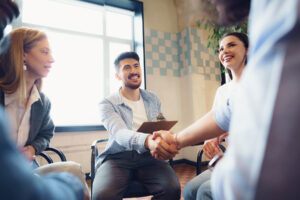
{"type": "Point", "coordinates": [94, 155]}
{"type": "Point", "coordinates": [46, 157]}
{"type": "Point", "coordinates": [222, 148]}
{"type": "Point", "coordinates": [199, 158]}
{"type": "Point", "coordinates": [58, 152]}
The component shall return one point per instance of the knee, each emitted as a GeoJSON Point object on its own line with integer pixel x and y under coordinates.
{"type": "Point", "coordinates": [204, 191]}
{"type": "Point", "coordinates": [102, 191]}
{"type": "Point", "coordinates": [171, 190]}
{"type": "Point", "coordinates": [190, 191]}
{"type": "Point", "coordinates": [102, 195]}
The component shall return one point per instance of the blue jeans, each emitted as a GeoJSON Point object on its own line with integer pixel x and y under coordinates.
{"type": "Point", "coordinates": [199, 187]}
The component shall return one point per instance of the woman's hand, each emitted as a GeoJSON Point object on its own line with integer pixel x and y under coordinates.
{"type": "Point", "coordinates": [211, 148]}
{"type": "Point", "coordinates": [28, 152]}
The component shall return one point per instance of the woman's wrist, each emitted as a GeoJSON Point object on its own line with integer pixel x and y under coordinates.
{"type": "Point", "coordinates": [176, 141]}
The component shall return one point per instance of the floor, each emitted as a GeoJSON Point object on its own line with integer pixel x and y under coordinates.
{"type": "Point", "coordinates": [184, 172]}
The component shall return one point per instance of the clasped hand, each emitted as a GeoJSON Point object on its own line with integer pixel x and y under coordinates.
{"type": "Point", "coordinates": [162, 145]}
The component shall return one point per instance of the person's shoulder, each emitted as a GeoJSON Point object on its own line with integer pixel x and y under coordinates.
{"type": "Point", "coordinates": [224, 88]}
{"type": "Point", "coordinates": [113, 98]}
{"type": "Point", "coordinates": [44, 98]}
{"type": "Point", "coordinates": [148, 92]}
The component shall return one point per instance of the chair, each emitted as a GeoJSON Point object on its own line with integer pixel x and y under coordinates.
{"type": "Point", "coordinates": [199, 158]}
{"type": "Point", "coordinates": [48, 158]}
{"type": "Point", "coordinates": [63, 166]}
{"type": "Point", "coordinates": [135, 188]}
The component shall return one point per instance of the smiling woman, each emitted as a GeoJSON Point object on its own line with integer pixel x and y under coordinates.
{"type": "Point", "coordinates": [22, 68]}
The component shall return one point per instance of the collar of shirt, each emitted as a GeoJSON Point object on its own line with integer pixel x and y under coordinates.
{"type": "Point", "coordinates": [118, 98]}
{"type": "Point", "coordinates": [34, 96]}
{"type": "Point", "coordinates": [13, 98]}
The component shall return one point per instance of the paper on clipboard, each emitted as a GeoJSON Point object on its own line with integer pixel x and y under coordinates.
{"type": "Point", "coordinates": [150, 127]}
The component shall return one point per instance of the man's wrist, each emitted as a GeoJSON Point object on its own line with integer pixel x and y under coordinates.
{"type": "Point", "coordinates": [147, 141]}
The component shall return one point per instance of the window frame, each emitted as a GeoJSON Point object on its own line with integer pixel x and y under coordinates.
{"type": "Point", "coordinates": [138, 45]}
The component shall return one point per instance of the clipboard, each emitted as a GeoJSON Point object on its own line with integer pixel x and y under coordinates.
{"type": "Point", "coordinates": [150, 127]}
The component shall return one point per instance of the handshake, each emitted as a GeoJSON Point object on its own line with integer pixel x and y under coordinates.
{"type": "Point", "coordinates": [162, 145]}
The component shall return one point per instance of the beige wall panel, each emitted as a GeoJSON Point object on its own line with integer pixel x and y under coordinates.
{"type": "Point", "coordinates": [160, 15]}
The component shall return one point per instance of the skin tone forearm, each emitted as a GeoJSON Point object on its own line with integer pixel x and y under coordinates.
{"type": "Point", "coordinates": [201, 130]}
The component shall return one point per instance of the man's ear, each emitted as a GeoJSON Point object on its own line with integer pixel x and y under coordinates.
{"type": "Point", "coordinates": [117, 76]}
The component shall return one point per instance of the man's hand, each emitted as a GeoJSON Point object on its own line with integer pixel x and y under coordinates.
{"type": "Point", "coordinates": [168, 137]}
{"type": "Point", "coordinates": [28, 152]}
{"type": "Point", "coordinates": [159, 148]}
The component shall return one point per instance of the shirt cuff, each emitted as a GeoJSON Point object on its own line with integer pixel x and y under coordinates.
{"type": "Point", "coordinates": [141, 143]}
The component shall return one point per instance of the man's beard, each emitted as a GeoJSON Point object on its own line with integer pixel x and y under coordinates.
{"type": "Point", "coordinates": [131, 86]}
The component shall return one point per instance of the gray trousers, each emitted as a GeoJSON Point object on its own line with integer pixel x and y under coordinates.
{"type": "Point", "coordinates": [114, 174]}
{"type": "Point", "coordinates": [199, 187]}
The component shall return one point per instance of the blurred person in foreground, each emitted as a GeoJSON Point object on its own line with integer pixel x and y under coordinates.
{"type": "Point", "coordinates": [262, 159]}
{"type": "Point", "coordinates": [18, 182]}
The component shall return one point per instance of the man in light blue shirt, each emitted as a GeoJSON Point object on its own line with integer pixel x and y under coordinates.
{"type": "Point", "coordinates": [127, 154]}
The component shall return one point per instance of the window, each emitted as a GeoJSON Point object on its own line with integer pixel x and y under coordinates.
{"type": "Point", "coordinates": [85, 39]}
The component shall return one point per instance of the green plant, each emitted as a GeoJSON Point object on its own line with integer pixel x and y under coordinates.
{"type": "Point", "coordinates": [216, 31]}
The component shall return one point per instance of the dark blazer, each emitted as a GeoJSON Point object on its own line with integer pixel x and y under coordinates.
{"type": "Point", "coordinates": [41, 125]}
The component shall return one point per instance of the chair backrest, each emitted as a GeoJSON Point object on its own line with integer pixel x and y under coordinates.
{"type": "Point", "coordinates": [95, 147]}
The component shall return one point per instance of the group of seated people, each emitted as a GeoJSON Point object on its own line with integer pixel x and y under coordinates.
{"type": "Point", "coordinates": [26, 125]}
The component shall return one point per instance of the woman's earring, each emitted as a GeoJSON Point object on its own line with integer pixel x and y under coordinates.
{"type": "Point", "coordinates": [24, 66]}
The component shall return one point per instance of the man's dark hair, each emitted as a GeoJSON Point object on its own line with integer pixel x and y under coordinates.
{"type": "Point", "coordinates": [232, 11]}
{"type": "Point", "coordinates": [124, 55]}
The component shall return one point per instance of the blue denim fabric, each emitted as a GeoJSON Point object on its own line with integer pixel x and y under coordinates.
{"type": "Point", "coordinates": [195, 187]}
{"type": "Point", "coordinates": [117, 119]}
